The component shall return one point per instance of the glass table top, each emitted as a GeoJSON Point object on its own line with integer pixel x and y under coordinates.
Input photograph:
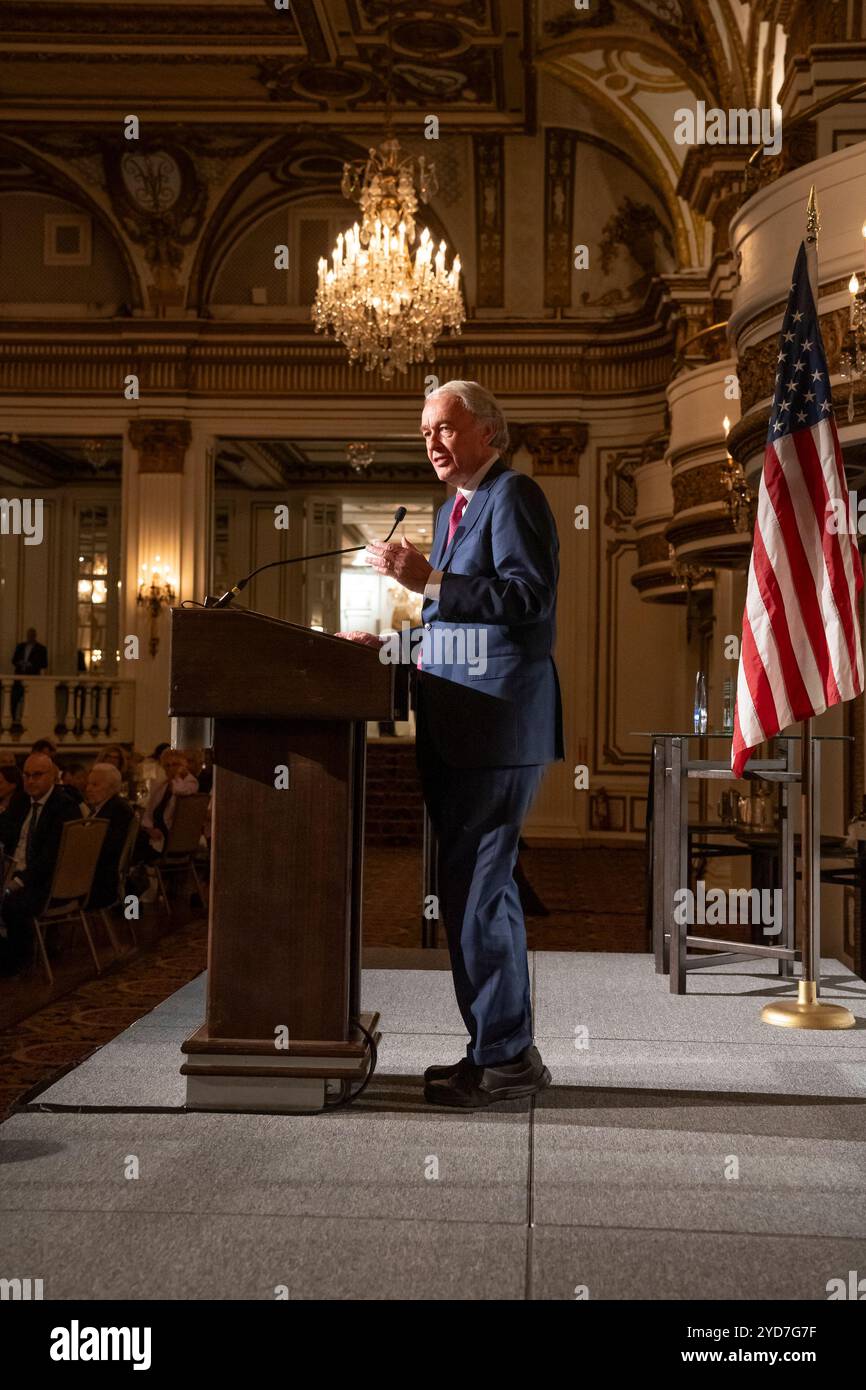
{"type": "Point", "coordinates": [716, 733]}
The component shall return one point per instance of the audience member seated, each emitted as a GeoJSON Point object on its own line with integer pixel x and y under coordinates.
{"type": "Point", "coordinates": [74, 779]}
{"type": "Point", "coordinates": [159, 811]}
{"type": "Point", "coordinates": [34, 859]}
{"type": "Point", "coordinates": [150, 769]}
{"type": "Point", "coordinates": [200, 762]}
{"type": "Point", "coordinates": [45, 745]}
{"type": "Point", "coordinates": [105, 802]}
{"type": "Point", "coordinates": [14, 804]}
{"type": "Point", "coordinates": [118, 757]}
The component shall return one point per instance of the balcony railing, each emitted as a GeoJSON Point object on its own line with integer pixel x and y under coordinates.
{"type": "Point", "coordinates": [77, 712]}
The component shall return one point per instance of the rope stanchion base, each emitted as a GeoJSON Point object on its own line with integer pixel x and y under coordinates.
{"type": "Point", "coordinates": [806, 1012]}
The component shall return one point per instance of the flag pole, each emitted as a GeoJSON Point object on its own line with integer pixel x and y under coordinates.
{"type": "Point", "coordinates": [805, 1011]}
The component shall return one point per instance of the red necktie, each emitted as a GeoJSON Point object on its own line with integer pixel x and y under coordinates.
{"type": "Point", "coordinates": [454, 521]}
{"type": "Point", "coordinates": [456, 512]}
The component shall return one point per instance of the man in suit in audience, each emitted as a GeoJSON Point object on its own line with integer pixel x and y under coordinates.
{"type": "Point", "coordinates": [158, 815]}
{"type": "Point", "coordinates": [102, 794]}
{"type": "Point", "coordinates": [30, 657]}
{"type": "Point", "coordinates": [485, 729]}
{"type": "Point", "coordinates": [34, 858]}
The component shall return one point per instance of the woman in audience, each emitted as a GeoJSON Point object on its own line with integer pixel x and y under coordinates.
{"type": "Point", "coordinates": [150, 769]}
{"type": "Point", "coordinates": [117, 757]}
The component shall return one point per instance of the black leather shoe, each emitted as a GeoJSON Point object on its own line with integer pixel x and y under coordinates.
{"type": "Point", "coordinates": [471, 1087]}
{"type": "Point", "coordinates": [442, 1073]}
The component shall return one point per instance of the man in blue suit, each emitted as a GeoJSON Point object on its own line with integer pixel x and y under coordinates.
{"type": "Point", "coordinates": [489, 719]}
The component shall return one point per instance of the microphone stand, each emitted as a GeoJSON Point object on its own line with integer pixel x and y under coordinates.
{"type": "Point", "coordinates": [225, 600]}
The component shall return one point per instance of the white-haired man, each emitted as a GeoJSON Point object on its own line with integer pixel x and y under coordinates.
{"type": "Point", "coordinates": [485, 730]}
{"type": "Point", "coordinates": [102, 794]}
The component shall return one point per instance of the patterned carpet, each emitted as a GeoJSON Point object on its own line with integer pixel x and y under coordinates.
{"type": "Point", "coordinates": [60, 1034]}
{"type": "Point", "coordinates": [595, 900]}
{"type": "Point", "coordinates": [594, 897]}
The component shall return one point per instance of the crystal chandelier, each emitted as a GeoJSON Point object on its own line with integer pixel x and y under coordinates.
{"type": "Point", "coordinates": [385, 308]}
{"type": "Point", "coordinates": [360, 455]}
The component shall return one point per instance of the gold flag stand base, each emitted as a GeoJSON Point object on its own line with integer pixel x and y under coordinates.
{"type": "Point", "coordinates": [806, 1012]}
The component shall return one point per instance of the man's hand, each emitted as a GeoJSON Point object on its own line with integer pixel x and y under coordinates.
{"type": "Point", "coordinates": [366, 639]}
{"type": "Point", "coordinates": [402, 562]}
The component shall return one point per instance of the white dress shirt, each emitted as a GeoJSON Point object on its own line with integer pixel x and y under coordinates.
{"type": "Point", "coordinates": [431, 588]}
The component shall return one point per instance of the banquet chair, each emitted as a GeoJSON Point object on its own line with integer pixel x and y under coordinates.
{"type": "Point", "coordinates": [71, 884]}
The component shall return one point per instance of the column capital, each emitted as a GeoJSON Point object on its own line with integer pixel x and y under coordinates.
{"type": "Point", "coordinates": [555, 448]}
{"type": "Point", "coordinates": [161, 444]}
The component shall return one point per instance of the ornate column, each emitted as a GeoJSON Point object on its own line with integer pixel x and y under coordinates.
{"type": "Point", "coordinates": [167, 525]}
{"type": "Point", "coordinates": [555, 450]}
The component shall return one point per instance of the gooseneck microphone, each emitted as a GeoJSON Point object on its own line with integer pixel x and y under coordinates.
{"type": "Point", "coordinates": [225, 599]}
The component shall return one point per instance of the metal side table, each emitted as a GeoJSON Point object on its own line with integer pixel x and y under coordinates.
{"type": "Point", "coordinates": [672, 770]}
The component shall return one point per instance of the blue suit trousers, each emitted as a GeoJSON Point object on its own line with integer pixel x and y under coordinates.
{"type": "Point", "coordinates": [477, 813]}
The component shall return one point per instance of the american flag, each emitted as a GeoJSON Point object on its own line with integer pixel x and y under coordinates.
{"type": "Point", "coordinates": [801, 650]}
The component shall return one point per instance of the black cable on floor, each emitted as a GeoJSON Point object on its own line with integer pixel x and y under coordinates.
{"type": "Point", "coordinates": [374, 1055]}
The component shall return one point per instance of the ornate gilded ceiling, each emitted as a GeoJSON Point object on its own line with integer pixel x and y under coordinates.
{"type": "Point", "coordinates": [640, 61]}
{"type": "Point", "coordinates": [246, 107]}
{"type": "Point", "coordinates": [326, 61]}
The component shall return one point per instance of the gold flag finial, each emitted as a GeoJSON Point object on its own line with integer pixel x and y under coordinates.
{"type": "Point", "coordinates": [813, 221]}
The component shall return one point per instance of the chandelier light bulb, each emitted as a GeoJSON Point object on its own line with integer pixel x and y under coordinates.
{"type": "Point", "coordinates": [854, 284]}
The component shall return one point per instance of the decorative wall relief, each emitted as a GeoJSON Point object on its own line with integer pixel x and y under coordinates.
{"type": "Point", "coordinates": [638, 228]}
{"type": "Point", "coordinates": [160, 202]}
{"type": "Point", "coordinates": [559, 150]}
{"type": "Point", "coordinates": [489, 153]}
{"type": "Point", "coordinates": [555, 448]}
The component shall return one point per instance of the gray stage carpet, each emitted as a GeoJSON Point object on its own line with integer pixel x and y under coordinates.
{"type": "Point", "coordinates": [686, 1150]}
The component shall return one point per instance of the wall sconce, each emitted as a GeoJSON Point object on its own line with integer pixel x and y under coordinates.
{"type": "Point", "coordinates": [852, 359]}
{"type": "Point", "coordinates": [742, 500]}
{"type": "Point", "coordinates": [155, 596]}
{"type": "Point", "coordinates": [687, 574]}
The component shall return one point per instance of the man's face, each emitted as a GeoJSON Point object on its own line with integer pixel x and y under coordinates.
{"type": "Point", "coordinates": [40, 775]}
{"type": "Point", "coordinates": [457, 443]}
{"type": "Point", "coordinates": [31, 634]}
{"type": "Point", "coordinates": [97, 789]}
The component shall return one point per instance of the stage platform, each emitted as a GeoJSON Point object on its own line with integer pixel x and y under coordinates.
{"type": "Point", "coordinates": [685, 1150]}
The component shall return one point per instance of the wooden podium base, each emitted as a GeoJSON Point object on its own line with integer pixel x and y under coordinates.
{"type": "Point", "coordinates": [249, 1074]}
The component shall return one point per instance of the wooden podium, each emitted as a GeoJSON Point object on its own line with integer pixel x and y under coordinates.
{"type": "Point", "coordinates": [289, 707]}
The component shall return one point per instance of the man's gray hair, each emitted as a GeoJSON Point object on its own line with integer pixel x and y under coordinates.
{"type": "Point", "coordinates": [480, 403]}
{"type": "Point", "coordinates": [111, 775]}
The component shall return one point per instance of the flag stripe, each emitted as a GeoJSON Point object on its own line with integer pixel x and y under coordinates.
{"type": "Point", "coordinates": [797, 698]}
{"type": "Point", "coordinates": [772, 544]}
{"type": "Point", "coordinates": [781, 473]}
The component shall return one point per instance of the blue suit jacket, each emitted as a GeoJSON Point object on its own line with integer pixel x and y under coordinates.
{"type": "Point", "coordinates": [501, 707]}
